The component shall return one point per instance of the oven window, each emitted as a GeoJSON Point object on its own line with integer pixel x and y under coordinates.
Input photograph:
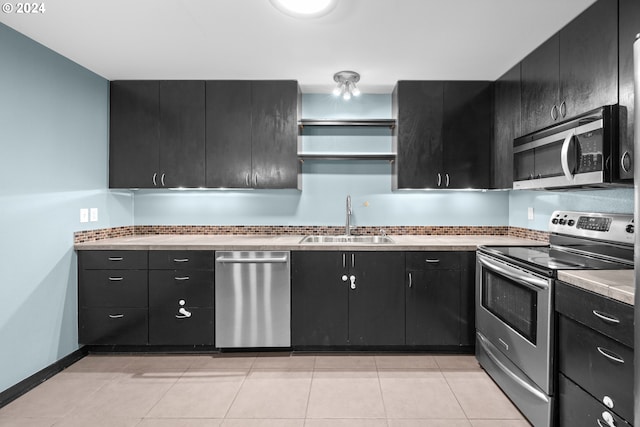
{"type": "Point", "coordinates": [513, 303]}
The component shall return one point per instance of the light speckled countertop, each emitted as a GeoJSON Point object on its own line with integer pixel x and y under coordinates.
{"type": "Point", "coordinates": [615, 284]}
{"type": "Point", "coordinates": [292, 243]}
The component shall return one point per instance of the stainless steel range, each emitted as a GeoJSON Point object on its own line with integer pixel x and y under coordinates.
{"type": "Point", "coordinates": [514, 301]}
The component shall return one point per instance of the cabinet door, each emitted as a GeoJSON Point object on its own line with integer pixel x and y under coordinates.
{"type": "Point", "coordinates": [506, 127]}
{"type": "Point", "coordinates": [467, 134]}
{"type": "Point", "coordinates": [228, 134]}
{"type": "Point", "coordinates": [133, 134]}
{"type": "Point", "coordinates": [319, 299]}
{"type": "Point", "coordinates": [418, 109]}
{"type": "Point", "coordinates": [433, 308]}
{"type": "Point", "coordinates": [274, 127]}
{"type": "Point", "coordinates": [169, 326]}
{"type": "Point", "coordinates": [377, 304]}
{"type": "Point", "coordinates": [589, 60]}
{"type": "Point", "coordinates": [468, 299]}
{"type": "Point", "coordinates": [540, 85]}
{"type": "Point", "coordinates": [113, 326]}
{"type": "Point", "coordinates": [629, 26]}
{"type": "Point", "coordinates": [182, 144]}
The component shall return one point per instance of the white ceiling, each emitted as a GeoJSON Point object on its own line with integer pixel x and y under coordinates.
{"type": "Point", "coordinates": [383, 40]}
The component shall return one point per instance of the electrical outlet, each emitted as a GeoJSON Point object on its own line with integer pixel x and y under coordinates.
{"type": "Point", "coordinates": [530, 214]}
{"type": "Point", "coordinates": [84, 215]}
{"type": "Point", "coordinates": [93, 214]}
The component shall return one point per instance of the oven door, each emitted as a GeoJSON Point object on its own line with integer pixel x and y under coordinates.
{"type": "Point", "coordinates": [514, 314]}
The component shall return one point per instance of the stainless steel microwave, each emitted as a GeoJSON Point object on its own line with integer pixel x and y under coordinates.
{"type": "Point", "coordinates": [580, 152]}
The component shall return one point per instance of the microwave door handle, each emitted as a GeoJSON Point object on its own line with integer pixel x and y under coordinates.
{"type": "Point", "coordinates": [564, 156]}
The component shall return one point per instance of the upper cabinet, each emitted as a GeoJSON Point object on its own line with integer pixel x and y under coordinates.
{"type": "Point", "coordinates": [507, 126]}
{"type": "Point", "coordinates": [573, 72]}
{"type": "Point", "coordinates": [443, 134]}
{"type": "Point", "coordinates": [629, 27]}
{"type": "Point", "coordinates": [156, 134]}
{"type": "Point", "coordinates": [191, 134]}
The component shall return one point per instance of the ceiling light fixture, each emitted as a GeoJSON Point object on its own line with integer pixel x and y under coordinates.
{"type": "Point", "coordinates": [305, 8]}
{"type": "Point", "coordinates": [346, 84]}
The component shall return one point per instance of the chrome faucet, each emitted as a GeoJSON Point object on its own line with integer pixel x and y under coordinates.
{"type": "Point", "coordinates": [347, 228]}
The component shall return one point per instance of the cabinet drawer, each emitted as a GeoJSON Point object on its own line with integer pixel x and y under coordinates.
{"type": "Point", "coordinates": [167, 326]}
{"type": "Point", "coordinates": [433, 260]}
{"type": "Point", "coordinates": [171, 260]}
{"type": "Point", "coordinates": [112, 288]}
{"type": "Point", "coordinates": [111, 326]}
{"type": "Point", "coordinates": [589, 359]}
{"type": "Point", "coordinates": [166, 287]}
{"type": "Point", "coordinates": [578, 408]}
{"type": "Point", "coordinates": [112, 260]}
{"type": "Point", "coordinates": [594, 311]}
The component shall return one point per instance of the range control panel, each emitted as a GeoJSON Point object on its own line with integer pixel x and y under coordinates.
{"type": "Point", "coordinates": [602, 226]}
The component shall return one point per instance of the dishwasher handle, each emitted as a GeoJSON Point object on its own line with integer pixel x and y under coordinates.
{"type": "Point", "coordinates": [226, 260]}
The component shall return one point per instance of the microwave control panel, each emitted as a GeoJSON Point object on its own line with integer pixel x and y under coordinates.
{"type": "Point", "coordinates": [589, 152]}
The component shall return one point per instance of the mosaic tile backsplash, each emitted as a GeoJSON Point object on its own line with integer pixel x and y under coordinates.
{"type": "Point", "coordinates": [145, 230]}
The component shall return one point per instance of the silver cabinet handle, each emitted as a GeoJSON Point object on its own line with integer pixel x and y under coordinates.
{"type": "Point", "coordinates": [115, 258]}
{"type": "Point", "coordinates": [353, 260]}
{"type": "Point", "coordinates": [410, 280]}
{"type": "Point", "coordinates": [605, 317]}
{"type": "Point", "coordinates": [439, 179]}
{"type": "Point", "coordinates": [116, 316]}
{"type": "Point", "coordinates": [155, 184]}
{"type": "Point", "coordinates": [554, 113]}
{"type": "Point", "coordinates": [344, 260]}
{"type": "Point", "coordinates": [255, 180]}
{"type": "Point", "coordinates": [246, 180]}
{"type": "Point", "coordinates": [180, 279]}
{"type": "Point", "coordinates": [626, 167]}
{"type": "Point", "coordinates": [610, 355]}
{"type": "Point", "coordinates": [181, 260]}
{"type": "Point", "coordinates": [446, 175]}
{"type": "Point", "coordinates": [116, 279]}
{"type": "Point", "coordinates": [563, 108]}
{"type": "Point", "coordinates": [162, 180]}
{"type": "Point", "coordinates": [353, 281]}
{"type": "Point", "coordinates": [432, 260]}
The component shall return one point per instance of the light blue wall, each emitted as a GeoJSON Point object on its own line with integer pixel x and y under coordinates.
{"type": "Point", "coordinates": [53, 161]}
{"type": "Point", "coordinates": [545, 202]}
{"type": "Point", "coordinates": [327, 183]}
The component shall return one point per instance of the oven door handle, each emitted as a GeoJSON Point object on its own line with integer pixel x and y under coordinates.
{"type": "Point", "coordinates": [532, 282]}
{"type": "Point", "coordinates": [484, 342]}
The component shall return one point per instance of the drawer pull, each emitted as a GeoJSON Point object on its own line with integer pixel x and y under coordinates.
{"type": "Point", "coordinates": [605, 317]}
{"type": "Point", "coordinates": [610, 355]}
{"type": "Point", "coordinates": [116, 316]}
{"type": "Point", "coordinates": [181, 278]}
{"type": "Point", "coordinates": [608, 418]}
{"type": "Point", "coordinates": [115, 258]}
{"type": "Point", "coordinates": [608, 402]}
{"type": "Point", "coordinates": [116, 279]}
{"type": "Point", "coordinates": [432, 261]}
{"type": "Point", "coordinates": [181, 260]}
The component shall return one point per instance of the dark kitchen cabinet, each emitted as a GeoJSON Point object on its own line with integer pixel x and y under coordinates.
{"type": "Point", "coordinates": [506, 126]}
{"type": "Point", "coordinates": [156, 134]}
{"type": "Point", "coordinates": [595, 356]}
{"type": "Point", "coordinates": [112, 297]}
{"type": "Point", "coordinates": [440, 299]}
{"type": "Point", "coordinates": [347, 299]}
{"type": "Point", "coordinates": [574, 71]}
{"type": "Point", "coordinates": [252, 134]}
{"type": "Point", "coordinates": [443, 134]}
{"type": "Point", "coordinates": [629, 27]}
{"type": "Point", "coordinates": [181, 297]}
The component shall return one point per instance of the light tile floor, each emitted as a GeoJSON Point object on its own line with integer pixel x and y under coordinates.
{"type": "Point", "coordinates": [267, 389]}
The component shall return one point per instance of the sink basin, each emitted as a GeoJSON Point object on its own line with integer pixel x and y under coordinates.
{"type": "Point", "coordinates": [375, 240]}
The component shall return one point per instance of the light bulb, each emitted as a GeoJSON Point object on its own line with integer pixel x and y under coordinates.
{"type": "Point", "coordinates": [355, 91]}
{"type": "Point", "coordinates": [337, 90]}
{"type": "Point", "coordinates": [346, 95]}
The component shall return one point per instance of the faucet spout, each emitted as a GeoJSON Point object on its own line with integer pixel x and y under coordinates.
{"type": "Point", "coordinates": [347, 228]}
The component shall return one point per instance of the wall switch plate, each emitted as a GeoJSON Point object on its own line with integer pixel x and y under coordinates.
{"type": "Point", "coordinates": [84, 215]}
{"type": "Point", "coordinates": [93, 214]}
{"type": "Point", "coordinates": [530, 214]}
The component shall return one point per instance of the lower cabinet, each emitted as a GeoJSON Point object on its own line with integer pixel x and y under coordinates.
{"type": "Point", "coordinates": [347, 298]}
{"type": "Point", "coordinates": [112, 297]}
{"type": "Point", "coordinates": [440, 309]}
{"type": "Point", "coordinates": [595, 358]}
{"type": "Point", "coordinates": [181, 297]}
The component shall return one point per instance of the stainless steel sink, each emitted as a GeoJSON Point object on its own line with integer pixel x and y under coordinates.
{"type": "Point", "coordinates": [374, 240]}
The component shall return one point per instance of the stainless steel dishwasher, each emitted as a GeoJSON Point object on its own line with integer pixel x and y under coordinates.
{"type": "Point", "coordinates": [253, 299]}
